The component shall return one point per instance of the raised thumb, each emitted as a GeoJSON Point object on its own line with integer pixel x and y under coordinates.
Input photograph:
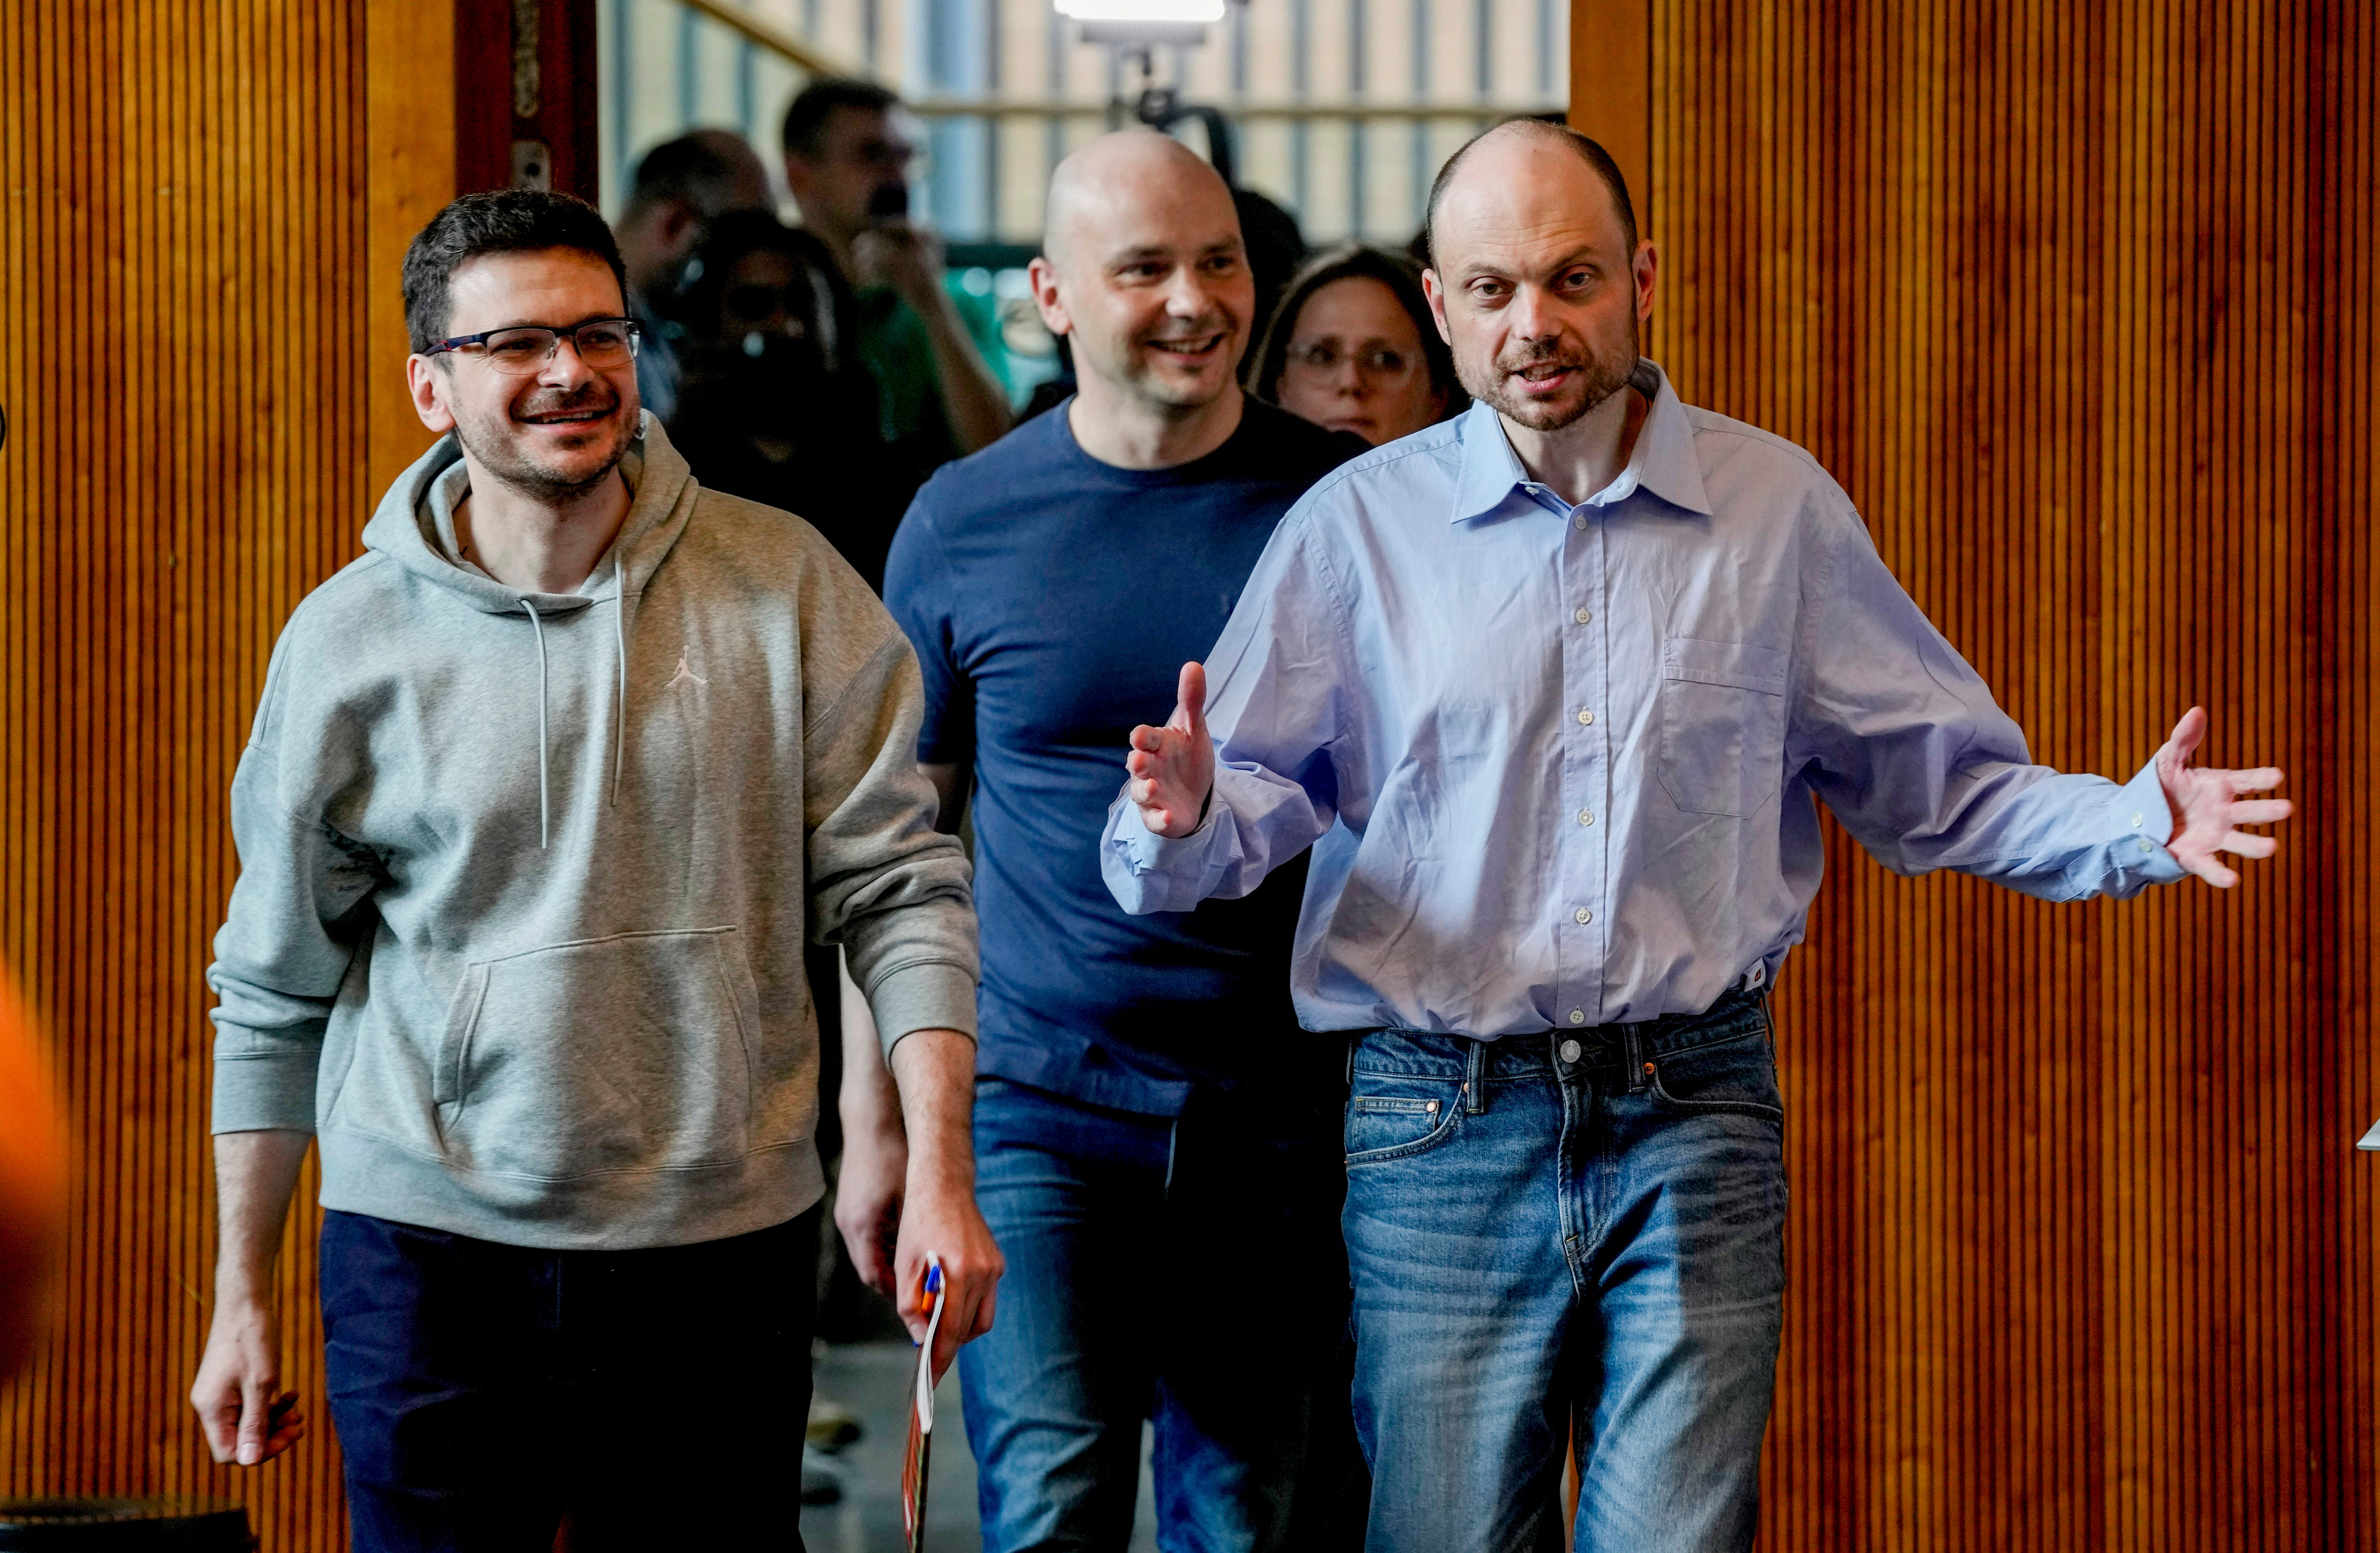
{"type": "Point", "coordinates": [1192, 696]}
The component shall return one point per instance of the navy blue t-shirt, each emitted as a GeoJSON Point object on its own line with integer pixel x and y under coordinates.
{"type": "Point", "coordinates": [1052, 600]}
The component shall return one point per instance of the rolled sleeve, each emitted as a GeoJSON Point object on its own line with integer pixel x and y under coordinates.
{"type": "Point", "coordinates": [255, 1091]}
{"type": "Point", "coordinates": [931, 995]}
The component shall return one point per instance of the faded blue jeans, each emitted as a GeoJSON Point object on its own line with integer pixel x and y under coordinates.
{"type": "Point", "coordinates": [1576, 1226]}
{"type": "Point", "coordinates": [1188, 1272]}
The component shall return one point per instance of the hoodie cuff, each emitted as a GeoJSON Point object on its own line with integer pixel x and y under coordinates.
{"type": "Point", "coordinates": [930, 995]}
{"type": "Point", "coordinates": [272, 1092]}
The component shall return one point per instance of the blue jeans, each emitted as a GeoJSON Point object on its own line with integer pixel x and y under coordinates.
{"type": "Point", "coordinates": [484, 1392]}
{"type": "Point", "coordinates": [1187, 1273]}
{"type": "Point", "coordinates": [1567, 1228]}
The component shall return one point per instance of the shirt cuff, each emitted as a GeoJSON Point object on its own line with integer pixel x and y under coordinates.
{"type": "Point", "coordinates": [1150, 853]}
{"type": "Point", "coordinates": [2145, 822]}
{"type": "Point", "coordinates": [929, 995]}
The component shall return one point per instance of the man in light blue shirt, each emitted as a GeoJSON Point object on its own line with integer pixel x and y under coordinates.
{"type": "Point", "coordinates": [1551, 690]}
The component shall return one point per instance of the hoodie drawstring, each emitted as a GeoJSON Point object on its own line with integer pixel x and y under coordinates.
{"type": "Point", "coordinates": [543, 809]}
{"type": "Point", "coordinates": [619, 638]}
{"type": "Point", "coordinates": [619, 723]}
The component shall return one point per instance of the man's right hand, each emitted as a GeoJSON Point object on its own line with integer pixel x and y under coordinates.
{"type": "Point", "coordinates": [246, 1416]}
{"type": "Point", "coordinates": [867, 1192]}
{"type": "Point", "coordinates": [1173, 767]}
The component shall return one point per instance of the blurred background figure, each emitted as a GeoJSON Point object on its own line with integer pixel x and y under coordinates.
{"type": "Point", "coordinates": [1353, 347]}
{"type": "Point", "coordinates": [32, 1180]}
{"type": "Point", "coordinates": [848, 145]}
{"type": "Point", "coordinates": [774, 405]}
{"type": "Point", "coordinates": [680, 186]}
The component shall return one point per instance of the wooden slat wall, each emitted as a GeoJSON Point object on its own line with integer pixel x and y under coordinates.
{"type": "Point", "coordinates": [202, 206]}
{"type": "Point", "coordinates": [2077, 300]}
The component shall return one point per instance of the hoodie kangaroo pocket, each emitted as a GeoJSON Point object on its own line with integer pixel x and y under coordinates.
{"type": "Point", "coordinates": [622, 1053]}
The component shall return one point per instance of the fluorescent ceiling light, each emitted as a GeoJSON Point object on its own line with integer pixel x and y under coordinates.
{"type": "Point", "coordinates": [1142, 10]}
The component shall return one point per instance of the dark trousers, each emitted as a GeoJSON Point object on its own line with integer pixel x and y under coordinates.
{"type": "Point", "coordinates": [1189, 1273]}
{"type": "Point", "coordinates": [485, 1393]}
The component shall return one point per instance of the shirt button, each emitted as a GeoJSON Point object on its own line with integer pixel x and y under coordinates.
{"type": "Point", "coordinates": [1585, 717]}
{"type": "Point", "coordinates": [1583, 916]}
{"type": "Point", "coordinates": [2136, 822]}
{"type": "Point", "coordinates": [1578, 1016]}
{"type": "Point", "coordinates": [1582, 616]}
{"type": "Point", "coordinates": [1579, 522]}
{"type": "Point", "coordinates": [1586, 816]}
{"type": "Point", "coordinates": [1570, 1048]}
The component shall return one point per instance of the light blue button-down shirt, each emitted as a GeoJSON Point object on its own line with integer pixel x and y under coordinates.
{"type": "Point", "coordinates": [1558, 765]}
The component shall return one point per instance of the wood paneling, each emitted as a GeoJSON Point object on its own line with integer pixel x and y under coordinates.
{"type": "Point", "coordinates": [1611, 86]}
{"type": "Point", "coordinates": [2076, 298]}
{"type": "Point", "coordinates": [202, 203]}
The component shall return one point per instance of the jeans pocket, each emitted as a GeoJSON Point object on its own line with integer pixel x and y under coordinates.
{"type": "Point", "coordinates": [1395, 1119]}
{"type": "Point", "coordinates": [1733, 1076]}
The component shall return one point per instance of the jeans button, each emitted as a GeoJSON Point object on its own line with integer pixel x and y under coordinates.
{"type": "Point", "coordinates": [1570, 1051]}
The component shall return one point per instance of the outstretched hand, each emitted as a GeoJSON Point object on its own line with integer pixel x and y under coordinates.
{"type": "Point", "coordinates": [2208, 805]}
{"type": "Point", "coordinates": [1173, 767]}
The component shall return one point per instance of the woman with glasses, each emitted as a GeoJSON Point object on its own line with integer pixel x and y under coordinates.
{"type": "Point", "coordinates": [1352, 347]}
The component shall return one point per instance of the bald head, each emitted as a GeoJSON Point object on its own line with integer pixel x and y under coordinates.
{"type": "Point", "coordinates": [1516, 149]}
{"type": "Point", "coordinates": [1121, 186]}
{"type": "Point", "coordinates": [1144, 271]}
{"type": "Point", "coordinates": [1536, 276]}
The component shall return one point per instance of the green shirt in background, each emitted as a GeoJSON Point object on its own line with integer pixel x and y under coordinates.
{"type": "Point", "coordinates": [899, 353]}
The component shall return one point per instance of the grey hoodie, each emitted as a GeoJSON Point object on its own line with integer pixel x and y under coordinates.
{"type": "Point", "coordinates": [526, 877]}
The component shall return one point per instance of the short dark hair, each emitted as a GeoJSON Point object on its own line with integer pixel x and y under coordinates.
{"type": "Point", "coordinates": [690, 168]}
{"type": "Point", "coordinates": [500, 221]}
{"type": "Point", "coordinates": [1593, 154]}
{"type": "Point", "coordinates": [1353, 262]}
{"type": "Point", "coordinates": [805, 132]}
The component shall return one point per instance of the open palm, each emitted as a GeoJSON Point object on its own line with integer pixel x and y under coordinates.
{"type": "Point", "coordinates": [1173, 767]}
{"type": "Point", "coordinates": [2209, 806]}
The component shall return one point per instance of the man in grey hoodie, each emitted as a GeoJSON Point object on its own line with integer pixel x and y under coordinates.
{"type": "Point", "coordinates": [544, 796]}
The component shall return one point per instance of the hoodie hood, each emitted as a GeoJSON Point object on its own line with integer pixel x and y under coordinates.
{"type": "Point", "coordinates": [661, 499]}
{"type": "Point", "coordinates": [404, 529]}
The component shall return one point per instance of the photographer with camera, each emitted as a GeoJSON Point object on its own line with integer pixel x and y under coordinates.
{"type": "Point", "coordinates": [849, 145]}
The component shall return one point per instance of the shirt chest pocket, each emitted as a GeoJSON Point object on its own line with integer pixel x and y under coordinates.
{"type": "Point", "coordinates": [1722, 719]}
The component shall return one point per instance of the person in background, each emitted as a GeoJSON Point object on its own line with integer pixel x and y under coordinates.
{"type": "Point", "coordinates": [32, 1180]}
{"type": "Point", "coordinates": [544, 796]}
{"type": "Point", "coordinates": [679, 188]}
{"type": "Point", "coordinates": [774, 405]}
{"type": "Point", "coordinates": [1554, 693]}
{"type": "Point", "coordinates": [1157, 1143]}
{"type": "Point", "coordinates": [1353, 347]}
{"type": "Point", "coordinates": [847, 147]}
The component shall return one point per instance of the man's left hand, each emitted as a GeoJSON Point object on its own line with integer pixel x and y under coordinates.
{"type": "Point", "coordinates": [905, 257]}
{"type": "Point", "coordinates": [2209, 805]}
{"type": "Point", "coordinates": [935, 1070]}
{"type": "Point", "coordinates": [940, 1216]}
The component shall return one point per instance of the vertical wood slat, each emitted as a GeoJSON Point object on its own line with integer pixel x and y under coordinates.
{"type": "Point", "coordinates": [202, 208]}
{"type": "Point", "coordinates": [2077, 302]}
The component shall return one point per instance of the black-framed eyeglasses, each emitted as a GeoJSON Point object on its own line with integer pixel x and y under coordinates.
{"type": "Point", "coordinates": [524, 348]}
{"type": "Point", "coordinates": [1324, 357]}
